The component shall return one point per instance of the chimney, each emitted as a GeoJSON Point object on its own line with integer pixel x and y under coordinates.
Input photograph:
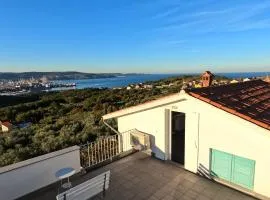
{"type": "Point", "coordinates": [207, 78]}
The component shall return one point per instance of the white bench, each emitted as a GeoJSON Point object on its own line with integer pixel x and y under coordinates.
{"type": "Point", "coordinates": [87, 189]}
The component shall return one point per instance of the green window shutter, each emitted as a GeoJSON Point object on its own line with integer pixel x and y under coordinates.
{"type": "Point", "coordinates": [235, 169]}
{"type": "Point", "coordinates": [221, 165]}
{"type": "Point", "coordinates": [243, 170]}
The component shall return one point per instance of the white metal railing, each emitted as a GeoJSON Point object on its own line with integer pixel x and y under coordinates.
{"type": "Point", "coordinates": [105, 148]}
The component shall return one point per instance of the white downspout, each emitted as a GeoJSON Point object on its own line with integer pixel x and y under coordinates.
{"type": "Point", "coordinates": [120, 138]}
{"type": "Point", "coordinates": [198, 143]}
{"type": "Point", "coordinates": [109, 126]}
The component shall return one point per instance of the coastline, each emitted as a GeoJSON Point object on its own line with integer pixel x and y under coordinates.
{"type": "Point", "coordinates": [119, 81]}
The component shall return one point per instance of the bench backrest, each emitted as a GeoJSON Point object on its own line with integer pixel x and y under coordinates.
{"type": "Point", "coordinates": [87, 189]}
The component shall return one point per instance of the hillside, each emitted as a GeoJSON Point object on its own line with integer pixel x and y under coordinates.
{"type": "Point", "coordinates": [55, 75]}
{"type": "Point", "coordinates": [62, 119]}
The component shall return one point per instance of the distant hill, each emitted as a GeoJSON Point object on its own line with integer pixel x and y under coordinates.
{"type": "Point", "coordinates": [55, 75]}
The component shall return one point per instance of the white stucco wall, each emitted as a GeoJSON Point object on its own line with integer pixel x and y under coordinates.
{"type": "Point", "coordinates": [155, 126]}
{"type": "Point", "coordinates": [27, 176]}
{"type": "Point", "coordinates": [154, 122]}
{"type": "Point", "coordinates": [206, 127]}
{"type": "Point", "coordinates": [226, 132]}
{"type": "Point", "coordinates": [4, 128]}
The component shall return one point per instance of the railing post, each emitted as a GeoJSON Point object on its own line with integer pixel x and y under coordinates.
{"type": "Point", "coordinates": [92, 154]}
{"type": "Point", "coordinates": [107, 145]}
{"type": "Point", "coordinates": [102, 149]}
{"type": "Point", "coordinates": [113, 145]}
{"type": "Point", "coordinates": [120, 143]}
{"type": "Point", "coordinates": [98, 151]}
{"type": "Point", "coordinates": [88, 150]}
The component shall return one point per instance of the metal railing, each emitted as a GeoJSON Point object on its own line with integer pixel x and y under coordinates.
{"type": "Point", "coordinates": [105, 148]}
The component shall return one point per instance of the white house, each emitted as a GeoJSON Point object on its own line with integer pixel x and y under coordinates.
{"type": "Point", "coordinates": [246, 79]}
{"type": "Point", "coordinates": [234, 81]}
{"type": "Point", "coordinates": [6, 126]}
{"type": "Point", "coordinates": [220, 132]}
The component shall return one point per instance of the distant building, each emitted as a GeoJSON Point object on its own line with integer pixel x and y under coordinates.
{"type": "Point", "coordinates": [197, 85]}
{"type": "Point", "coordinates": [6, 126]}
{"type": "Point", "coordinates": [148, 86]}
{"type": "Point", "coordinates": [190, 84]}
{"type": "Point", "coordinates": [224, 82]}
{"type": "Point", "coordinates": [137, 87]}
{"type": "Point", "coordinates": [165, 86]}
{"type": "Point", "coordinates": [128, 88]}
{"type": "Point", "coordinates": [44, 80]}
{"type": "Point", "coordinates": [246, 79]}
{"type": "Point", "coordinates": [267, 79]}
{"type": "Point", "coordinates": [234, 81]}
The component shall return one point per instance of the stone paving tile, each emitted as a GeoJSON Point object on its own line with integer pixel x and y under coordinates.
{"type": "Point", "coordinates": [140, 177]}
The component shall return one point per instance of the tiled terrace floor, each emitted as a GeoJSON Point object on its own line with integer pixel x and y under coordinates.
{"type": "Point", "coordinates": [139, 176]}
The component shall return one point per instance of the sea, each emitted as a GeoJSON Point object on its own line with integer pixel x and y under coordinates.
{"type": "Point", "coordinates": [121, 81]}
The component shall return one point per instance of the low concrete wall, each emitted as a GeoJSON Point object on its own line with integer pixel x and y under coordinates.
{"type": "Point", "coordinates": [27, 176]}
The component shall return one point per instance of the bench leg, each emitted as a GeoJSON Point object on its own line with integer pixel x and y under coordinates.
{"type": "Point", "coordinates": [104, 194]}
{"type": "Point", "coordinates": [104, 186]}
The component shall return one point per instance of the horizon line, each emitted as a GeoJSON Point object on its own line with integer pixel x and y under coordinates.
{"type": "Point", "coordinates": [132, 72]}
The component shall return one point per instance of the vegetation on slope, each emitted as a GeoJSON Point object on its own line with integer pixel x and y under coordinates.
{"type": "Point", "coordinates": [62, 119]}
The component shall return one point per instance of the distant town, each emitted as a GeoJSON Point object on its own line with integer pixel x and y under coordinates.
{"type": "Point", "coordinates": [190, 82]}
{"type": "Point", "coordinates": [23, 86]}
{"type": "Point", "coordinates": [12, 84]}
{"type": "Point", "coordinates": [35, 85]}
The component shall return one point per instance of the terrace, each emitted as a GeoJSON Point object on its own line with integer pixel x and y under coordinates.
{"type": "Point", "coordinates": [140, 176]}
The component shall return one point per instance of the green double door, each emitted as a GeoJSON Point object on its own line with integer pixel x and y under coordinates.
{"type": "Point", "coordinates": [232, 168]}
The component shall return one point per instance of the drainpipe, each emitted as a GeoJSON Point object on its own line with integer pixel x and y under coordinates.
{"type": "Point", "coordinates": [109, 126]}
{"type": "Point", "coordinates": [120, 138]}
{"type": "Point", "coordinates": [198, 145]}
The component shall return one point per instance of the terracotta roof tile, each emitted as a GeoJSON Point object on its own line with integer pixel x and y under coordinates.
{"type": "Point", "coordinates": [249, 100]}
{"type": "Point", "coordinates": [7, 124]}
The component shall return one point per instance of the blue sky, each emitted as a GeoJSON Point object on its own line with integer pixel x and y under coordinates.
{"type": "Point", "coordinates": [155, 36]}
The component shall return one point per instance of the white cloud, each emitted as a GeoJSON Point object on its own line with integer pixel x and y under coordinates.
{"type": "Point", "coordinates": [166, 13]}
{"type": "Point", "coordinates": [239, 18]}
{"type": "Point", "coordinates": [166, 43]}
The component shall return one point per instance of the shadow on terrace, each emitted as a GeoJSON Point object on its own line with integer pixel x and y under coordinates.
{"type": "Point", "coordinates": [140, 176]}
